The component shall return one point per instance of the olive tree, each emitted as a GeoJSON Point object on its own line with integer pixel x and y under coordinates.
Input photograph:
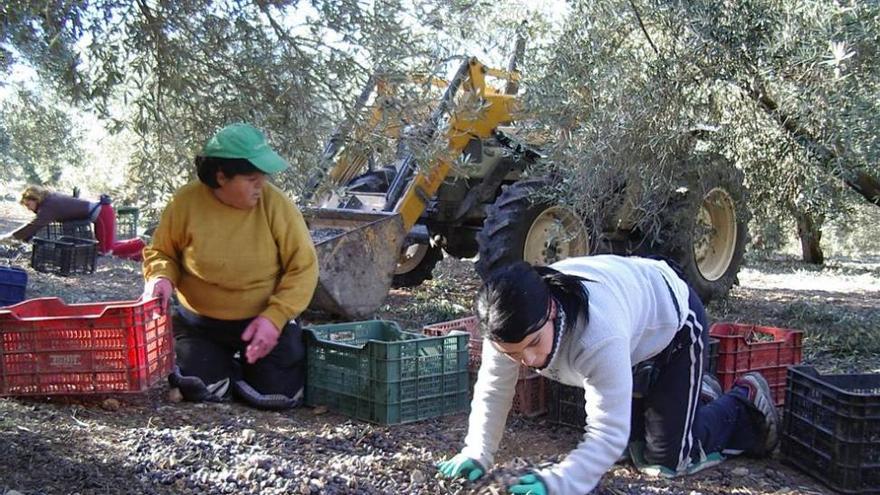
{"type": "Point", "coordinates": [621, 97]}
{"type": "Point", "coordinates": [786, 89]}
{"type": "Point", "coordinates": [173, 72]}
{"type": "Point", "coordinates": [38, 140]}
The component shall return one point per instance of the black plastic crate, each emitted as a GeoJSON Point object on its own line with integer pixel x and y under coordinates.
{"type": "Point", "coordinates": [127, 222]}
{"type": "Point", "coordinates": [712, 362]}
{"type": "Point", "coordinates": [831, 428]}
{"type": "Point", "coordinates": [566, 405]}
{"type": "Point", "coordinates": [64, 256]}
{"type": "Point", "coordinates": [13, 283]}
{"type": "Point", "coordinates": [69, 228]}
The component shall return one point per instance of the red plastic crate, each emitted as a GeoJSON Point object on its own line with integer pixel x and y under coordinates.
{"type": "Point", "coordinates": [48, 347]}
{"type": "Point", "coordinates": [469, 325]}
{"type": "Point", "coordinates": [769, 350]}
{"type": "Point", "coordinates": [531, 389]}
{"type": "Point", "coordinates": [475, 343]}
{"type": "Point", "coordinates": [531, 396]}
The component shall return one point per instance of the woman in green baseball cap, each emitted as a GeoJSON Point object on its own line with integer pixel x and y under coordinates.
{"type": "Point", "coordinates": [239, 256]}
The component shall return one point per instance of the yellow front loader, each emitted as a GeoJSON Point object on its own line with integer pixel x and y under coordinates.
{"type": "Point", "coordinates": [379, 223]}
{"type": "Point", "coordinates": [362, 233]}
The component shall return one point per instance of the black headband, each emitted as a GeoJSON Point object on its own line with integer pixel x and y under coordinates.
{"type": "Point", "coordinates": [540, 323]}
{"type": "Point", "coordinates": [514, 303]}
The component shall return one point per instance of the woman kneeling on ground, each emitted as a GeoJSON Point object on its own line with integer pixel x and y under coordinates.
{"type": "Point", "coordinates": [54, 207]}
{"type": "Point", "coordinates": [632, 334]}
{"type": "Point", "coordinates": [241, 259]}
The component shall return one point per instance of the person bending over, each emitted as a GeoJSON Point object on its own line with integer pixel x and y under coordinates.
{"type": "Point", "coordinates": [55, 207]}
{"type": "Point", "coordinates": [632, 334]}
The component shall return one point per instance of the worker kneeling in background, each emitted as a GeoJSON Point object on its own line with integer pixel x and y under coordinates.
{"type": "Point", "coordinates": [632, 334]}
{"type": "Point", "coordinates": [239, 255]}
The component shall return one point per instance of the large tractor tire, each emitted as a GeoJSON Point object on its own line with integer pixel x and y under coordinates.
{"type": "Point", "coordinates": [416, 264]}
{"type": "Point", "coordinates": [521, 225]}
{"type": "Point", "coordinates": [705, 229]}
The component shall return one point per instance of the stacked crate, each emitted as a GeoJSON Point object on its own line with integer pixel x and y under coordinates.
{"type": "Point", "coordinates": [82, 229]}
{"type": "Point", "coordinates": [127, 222]}
{"type": "Point", "coordinates": [65, 248]}
{"type": "Point", "coordinates": [530, 399]}
{"type": "Point", "coordinates": [831, 428]}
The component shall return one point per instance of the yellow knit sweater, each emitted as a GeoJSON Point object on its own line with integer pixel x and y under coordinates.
{"type": "Point", "coordinates": [231, 264]}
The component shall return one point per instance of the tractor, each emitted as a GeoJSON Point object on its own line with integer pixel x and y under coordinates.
{"type": "Point", "coordinates": [381, 223]}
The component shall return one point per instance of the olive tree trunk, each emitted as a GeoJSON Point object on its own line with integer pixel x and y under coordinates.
{"type": "Point", "coordinates": [809, 228]}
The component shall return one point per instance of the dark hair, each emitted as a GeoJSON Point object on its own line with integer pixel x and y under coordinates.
{"type": "Point", "coordinates": [514, 300]}
{"type": "Point", "coordinates": [208, 166]}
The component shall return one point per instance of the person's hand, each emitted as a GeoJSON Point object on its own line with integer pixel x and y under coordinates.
{"type": "Point", "coordinates": [159, 287]}
{"type": "Point", "coordinates": [529, 484]}
{"type": "Point", "coordinates": [262, 335]}
{"type": "Point", "coordinates": [460, 466]}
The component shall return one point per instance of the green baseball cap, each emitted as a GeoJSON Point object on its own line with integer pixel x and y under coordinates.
{"type": "Point", "coordinates": [244, 141]}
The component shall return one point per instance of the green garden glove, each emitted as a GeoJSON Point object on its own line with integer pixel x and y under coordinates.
{"type": "Point", "coordinates": [461, 465]}
{"type": "Point", "coordinates": [530, 485]}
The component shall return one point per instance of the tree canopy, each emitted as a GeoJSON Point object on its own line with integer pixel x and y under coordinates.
{"type": "Point", "coordinates": [37, 140]}
{"type": "Point", "coordinates": [788, 90]}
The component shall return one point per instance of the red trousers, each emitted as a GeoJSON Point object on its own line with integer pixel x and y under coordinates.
{"type": "Point", "coordinates": [105, 233]}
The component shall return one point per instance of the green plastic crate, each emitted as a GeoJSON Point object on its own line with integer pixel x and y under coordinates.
{"type": "Point", "coordinates": [127, 222]}
{"type": "Point", "coordinates": [371, 370]}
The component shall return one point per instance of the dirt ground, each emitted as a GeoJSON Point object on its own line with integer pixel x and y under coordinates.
{"type": "Point", "coordinates": [150, 444]}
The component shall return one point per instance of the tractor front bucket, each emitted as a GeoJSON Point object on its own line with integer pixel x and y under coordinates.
{"type": "Point", "coordinates": [357, 254]}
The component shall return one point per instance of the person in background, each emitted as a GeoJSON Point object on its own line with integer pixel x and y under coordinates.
{"type": "Point", "coordinates": [240, 257]}
{"type": "Point", "coordinates": [54, 207]}
{"type": "Point", "coordinates": [631, 333]}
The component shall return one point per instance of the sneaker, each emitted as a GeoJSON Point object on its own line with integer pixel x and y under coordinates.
{"type": "Point", "coordinates": [710, 389]}
{"type": "Point", "coordinates": [761, 401]}
{"type": "Point", "coordinates": [256, 399]}
{"type": "Point", "coordinates": [193, 389]}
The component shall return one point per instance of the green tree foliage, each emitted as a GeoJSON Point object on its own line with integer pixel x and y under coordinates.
{"type": "Point", "coordinates": [173, 72]}
{"type": "Point", "coordinates": [616, 114]}
{"type": "Point", "coordinates": [808, 69]}
{"type": "Point", "coordinates": [37, 140]}
{"type": "Point", "coordinates": [622, 96]}
{"type": "Point", "coordinates": [789, 89]}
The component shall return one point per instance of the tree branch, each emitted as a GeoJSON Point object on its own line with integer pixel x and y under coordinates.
{"type": "Point", "coordinates": [156, 28]}
{"type": "Point", "coordinates": [642, 25]}
{"type": "Point", "coordinates": [862, 183]}
{"type": "Point", "coordinates": [290, 43]}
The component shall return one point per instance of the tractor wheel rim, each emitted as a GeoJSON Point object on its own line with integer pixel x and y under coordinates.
{"type": "Point", "coordinates": [715, 241]}
{"type": "Point", "coordinates": [557, 233]}
{"type": "Point", "coordinates": [410, 257]}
